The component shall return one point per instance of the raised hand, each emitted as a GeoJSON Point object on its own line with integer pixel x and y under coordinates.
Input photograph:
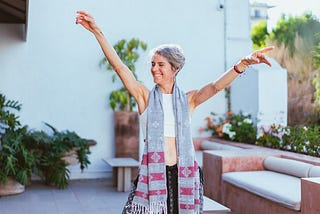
{"type": "Point", "coordinates": [257, 57]}
{"type": "Point", "coordinates": [86, 20]}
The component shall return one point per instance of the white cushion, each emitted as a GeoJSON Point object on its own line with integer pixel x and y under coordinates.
{"type": "Point", "coordinates": [277, 187]}
{"type": "Point", "coordinates": [287, 166]}
{"type": "Point", "coordinates": [314, 171]}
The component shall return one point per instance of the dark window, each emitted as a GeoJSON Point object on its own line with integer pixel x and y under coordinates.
{"type": "Point", "coordinates": [257, 14]}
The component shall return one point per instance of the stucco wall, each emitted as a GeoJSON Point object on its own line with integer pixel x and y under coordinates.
{"type": "Point", "coordinates": [56, 76]}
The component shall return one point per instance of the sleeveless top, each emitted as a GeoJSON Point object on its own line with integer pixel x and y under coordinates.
{"type": "Point", "coordinates": [169, 120]}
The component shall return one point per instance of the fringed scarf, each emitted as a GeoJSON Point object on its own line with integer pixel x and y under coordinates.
{"type": "Point", "coordinates": [151, 192]}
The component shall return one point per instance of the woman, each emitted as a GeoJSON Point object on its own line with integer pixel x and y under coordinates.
{"type": "Point", "coordinates": [169, 179]}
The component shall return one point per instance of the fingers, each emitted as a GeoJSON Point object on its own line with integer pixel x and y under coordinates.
{"type": "Point", "coordinates": [264, 60]}
{"type": "Point", "coordinates": [82, 15]}
{"type": "Point", "coordinates": [79, 19]}
{"type": "Point", "coordinates": [251, 59]}
{"type": "Point", "coordinates": [259, 56]}
{"type": "Point", "coordinates": [262, 57]}
{"type": "Point", "coordinates": [257, 60]}
{"type": "Point", "coordinates": [261, 52]}
{"type": "Point", "coordinates": [266, 49]}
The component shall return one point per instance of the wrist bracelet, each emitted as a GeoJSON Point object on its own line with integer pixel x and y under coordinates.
{"type": "Point", "coordinates": [235, 68]}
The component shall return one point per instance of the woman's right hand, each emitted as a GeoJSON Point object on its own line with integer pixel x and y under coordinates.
{"type": "Point", "coordinates": [87, 21]}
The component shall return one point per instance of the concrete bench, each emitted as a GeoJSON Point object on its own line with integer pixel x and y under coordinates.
{"type": "Point", "coordinates": [211, 206]}
{"type": "Point", "coordinates": [124, 166]}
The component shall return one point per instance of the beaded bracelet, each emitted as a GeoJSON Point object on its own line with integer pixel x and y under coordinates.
{"type": "Point", "coordinates": [235, 68]}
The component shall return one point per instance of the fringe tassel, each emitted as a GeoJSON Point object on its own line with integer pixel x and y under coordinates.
{"type": "Point", "coordinates": [153, 208]}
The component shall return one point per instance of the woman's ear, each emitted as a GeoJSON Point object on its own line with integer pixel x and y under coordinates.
{"type": "Point", "coordinates": [177, 69]}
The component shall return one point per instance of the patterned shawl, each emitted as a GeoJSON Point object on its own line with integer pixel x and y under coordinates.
{"type": "Point", "coordinates": [151, 193]}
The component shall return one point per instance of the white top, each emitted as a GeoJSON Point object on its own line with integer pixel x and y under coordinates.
{"type": "Point", "coordinates": [169, 120]}
{"type": "Point", "coordinates": [143, 123]}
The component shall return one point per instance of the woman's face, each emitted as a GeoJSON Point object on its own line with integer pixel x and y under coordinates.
{"type": "Point", "coordinates": [161, 70]}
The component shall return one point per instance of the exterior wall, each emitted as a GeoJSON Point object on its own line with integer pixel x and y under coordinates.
{"type": "Point", "coordinates": [56, 76]}
{"type": "Point", "coordinates": [237, 29]}
{"type": "Point", "coordinates": [273, 95]}
{"type": "Point", "coordinates": [262, 92]}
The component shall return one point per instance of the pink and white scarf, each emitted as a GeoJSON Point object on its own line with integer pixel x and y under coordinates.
{"type": "Point", "coordinates": [151, 192]}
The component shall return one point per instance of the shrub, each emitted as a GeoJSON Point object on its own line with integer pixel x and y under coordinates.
{"type": "Point", "coordinates": [24, 152]}
{"type": "Point", "coordinates": [272, 136]}
{"type": "Point", "coordinates": [240, 128]}
{"type": "Point", "coordinates": [299, 139]}
{"type": "Point", "coordinates": [235, 127]}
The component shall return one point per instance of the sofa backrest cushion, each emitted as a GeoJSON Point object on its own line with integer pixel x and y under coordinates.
{"type": "Point", "coordinates": [314, 171]}
{"type": "Point", "coordinates": [287, 166]}
{"type": "Point", "coordinates": [210, 145]}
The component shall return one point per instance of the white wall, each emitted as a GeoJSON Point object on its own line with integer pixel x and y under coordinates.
{"type": "Point", "coordinates": [238, 40]}
{"type": "Point", "coordinates": [262, 91]}
{"type": "Point", "coordinates": [55, 73]}
{"type": "Point", "coordinates": [273, 95]}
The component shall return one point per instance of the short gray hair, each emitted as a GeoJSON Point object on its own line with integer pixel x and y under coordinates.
{"type": "Point", "coordinates": [172, 52]}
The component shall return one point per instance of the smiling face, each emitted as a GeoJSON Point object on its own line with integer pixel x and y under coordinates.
{"type": "Point", "coordinates": [162, 71]}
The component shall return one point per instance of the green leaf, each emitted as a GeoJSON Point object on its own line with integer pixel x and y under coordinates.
{"type": "Point", "coordinates": [128, 51]}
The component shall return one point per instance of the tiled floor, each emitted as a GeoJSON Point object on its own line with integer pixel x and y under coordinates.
{"type": "Point", "coordinates": [95, 196]}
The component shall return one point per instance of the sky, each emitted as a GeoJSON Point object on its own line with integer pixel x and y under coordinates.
{"type": "Point", "coordinates": [290, 7]}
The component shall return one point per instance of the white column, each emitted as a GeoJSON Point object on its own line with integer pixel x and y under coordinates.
{"type": "Point", "coordinates": [262, 91]}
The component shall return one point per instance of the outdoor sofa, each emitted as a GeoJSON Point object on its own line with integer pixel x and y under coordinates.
{"type": "Point", "coordinates": [251, 181]}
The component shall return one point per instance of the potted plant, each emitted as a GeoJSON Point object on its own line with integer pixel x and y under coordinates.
{"type": "Point", "coordinates": [16, 161]}
{"type": "Point", "coordinates": [126, 121]}
{"type": "Point", "coordinates": [24, 152]}
{"type": "Point", "coordinates": [128, 51]}
{"type": "Point", "coordinates": [55, 152]}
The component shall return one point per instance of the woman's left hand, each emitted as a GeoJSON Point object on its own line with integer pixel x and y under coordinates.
{"type": "Point", "coordinates": [257, 57]}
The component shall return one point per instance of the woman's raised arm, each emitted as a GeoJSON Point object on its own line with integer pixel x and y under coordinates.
{"type": "Point", "coordinates": [197, 97]}
{"type": "Point", "coordinates": [135, 88]}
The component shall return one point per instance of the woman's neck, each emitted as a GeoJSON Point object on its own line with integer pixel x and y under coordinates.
{"type": "Point", "coordinates": [166, 89]}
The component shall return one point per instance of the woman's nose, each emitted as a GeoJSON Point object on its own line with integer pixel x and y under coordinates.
{"type": "Point", "coordinates": [154, 67]}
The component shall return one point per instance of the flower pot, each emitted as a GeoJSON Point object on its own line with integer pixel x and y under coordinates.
{"type": "Point", "coordinates": [12, 187]}
{"type": "Point", "coordinates": [71, 157]}
{"type": "Point", "coordinates": [126, 124]}
{"type": "Point", "coordinates": [126, 127]}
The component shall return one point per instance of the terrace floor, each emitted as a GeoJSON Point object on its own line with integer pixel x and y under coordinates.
{"type": "Point", "coordinates": [94, 196]}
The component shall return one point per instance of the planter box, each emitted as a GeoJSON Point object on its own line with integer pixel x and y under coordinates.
{"type": "Point", "coordinates": [71, 157]}
{"type": "Point", "coordinates": [126, 127]}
